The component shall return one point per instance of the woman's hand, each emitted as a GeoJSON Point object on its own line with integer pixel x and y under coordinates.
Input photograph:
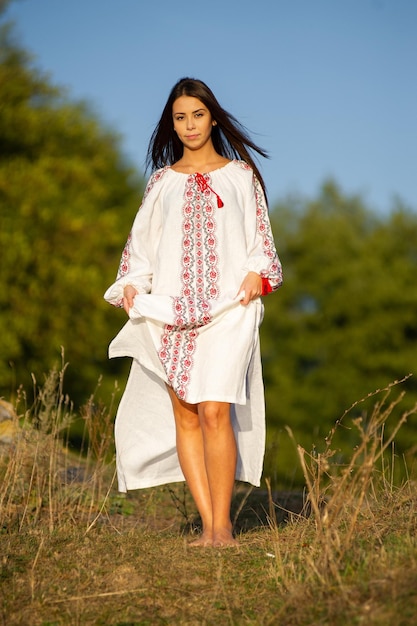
{"type": "Point", "coordinates": [129, 292]}
{"type": "Point", "coordinates": [252, 286]}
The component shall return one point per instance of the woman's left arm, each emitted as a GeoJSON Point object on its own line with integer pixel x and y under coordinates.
{"type": "Point", "coordinates": [264, 271]}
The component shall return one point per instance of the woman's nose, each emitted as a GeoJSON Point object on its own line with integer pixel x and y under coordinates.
{"type": "Point", "coordinates": [190, 122]}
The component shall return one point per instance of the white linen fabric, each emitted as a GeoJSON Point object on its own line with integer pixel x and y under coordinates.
{"type": "Point", "coordinates": [193, 241]}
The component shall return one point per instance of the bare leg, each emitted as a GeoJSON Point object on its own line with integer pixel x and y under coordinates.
{"type": "Point", "coordinates": [220, 463]}
{"type": "Point", "coordinates": [190, 450]}
{"type": "Point", "coordinates": [207, 454]}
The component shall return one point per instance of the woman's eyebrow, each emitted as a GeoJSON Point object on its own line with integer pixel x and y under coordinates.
{"type": "Point", "coordinates": [183, 113]}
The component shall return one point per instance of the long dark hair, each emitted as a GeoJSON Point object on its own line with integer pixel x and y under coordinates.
{"type": "Point", "coordinates": [230, 138]}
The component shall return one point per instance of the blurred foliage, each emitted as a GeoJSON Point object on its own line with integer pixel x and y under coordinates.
{"type": "Point", "coordinates": [344, 323]}
{"type": "Point", "coordinates": [67, 198]}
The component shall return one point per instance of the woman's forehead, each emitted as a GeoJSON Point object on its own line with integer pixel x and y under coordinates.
{"type": "Point", "coordinates": [187, 104]}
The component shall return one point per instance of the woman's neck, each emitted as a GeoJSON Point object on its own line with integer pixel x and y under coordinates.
{"type": "Point", "coordinates": [192, 162]}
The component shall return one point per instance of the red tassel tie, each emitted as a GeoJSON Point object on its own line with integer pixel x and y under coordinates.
{"type": "Point", "coordinates": [203, 185]}
{"type": "Point", "coordinates": [266, 286]}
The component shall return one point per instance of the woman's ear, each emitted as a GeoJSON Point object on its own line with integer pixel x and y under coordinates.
{"type": "Point", "coordinates": [214, 123]}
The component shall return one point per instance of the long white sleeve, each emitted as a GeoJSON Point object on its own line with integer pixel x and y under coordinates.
{"type": "Point", "coordinates": [262, 255]}
{"type": "Point", "coordinates": [137, 261]}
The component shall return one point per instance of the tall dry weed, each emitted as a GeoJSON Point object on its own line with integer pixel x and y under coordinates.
{"type": "Point", "coordinates": [344, 496]}
{"type": "Point", "coordinates": [42, 479]}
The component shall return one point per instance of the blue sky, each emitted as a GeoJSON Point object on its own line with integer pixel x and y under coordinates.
{"type": "Point", "coordinates": [328, 87]}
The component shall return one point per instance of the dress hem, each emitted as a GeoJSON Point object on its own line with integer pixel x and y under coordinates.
{"type": "Point", "coordinates": [141, 484]}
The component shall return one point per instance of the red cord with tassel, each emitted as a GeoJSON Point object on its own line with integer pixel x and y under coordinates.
{"type": "Point", "coordinates": [203, 185]}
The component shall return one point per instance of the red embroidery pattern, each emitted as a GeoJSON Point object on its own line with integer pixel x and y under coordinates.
{"type": "Point", "coordinates": [273, 273]}
{"type": "Point", "coordinates": [191, 312]}
{"type": "Point", "coordinates": [125, 260]}
{"type": "Point", "coordinates": [199, 277]}
{"type": "Point", "coordinates": [124, 266]}
{"type": "Point", "coordinates": [176, 356]}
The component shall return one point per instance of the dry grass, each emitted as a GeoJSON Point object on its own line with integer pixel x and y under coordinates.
{"type": "Point", "coordinates": [74, 551]}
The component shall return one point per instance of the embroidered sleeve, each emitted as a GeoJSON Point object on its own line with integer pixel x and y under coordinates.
{"type": "Point", "coordinates": [262, 255]}
{"type": "Point", "coordinates": [136, 263]}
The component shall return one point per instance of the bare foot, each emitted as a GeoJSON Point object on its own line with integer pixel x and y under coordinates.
{"type": "Point", "coordinates": [224, 539]}
{"type": "Point", "coordinates": [205, 540]}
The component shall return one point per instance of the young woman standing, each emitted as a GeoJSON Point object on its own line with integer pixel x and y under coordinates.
{"type": "Point", "coordinates": [199, 256]}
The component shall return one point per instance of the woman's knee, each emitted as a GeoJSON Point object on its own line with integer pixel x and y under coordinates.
{"type": "Point", "coordinates": [185, 414]}
{"type": "Point", "coordinates": [187, 420]}
{"type": "Point", "coordinates": [214, 415]}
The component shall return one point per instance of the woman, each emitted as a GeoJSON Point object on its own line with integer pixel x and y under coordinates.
{"type": "Point", "coordinates": [198, 258]}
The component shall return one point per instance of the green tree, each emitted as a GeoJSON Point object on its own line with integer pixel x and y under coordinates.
{"type": "Point", "coordinates": [345, 321]}
{"type": "Point", "coordinates": [67, 199]}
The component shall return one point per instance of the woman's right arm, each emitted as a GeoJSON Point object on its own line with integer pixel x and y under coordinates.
{"type": "Point", "coordinates": [136, 264]}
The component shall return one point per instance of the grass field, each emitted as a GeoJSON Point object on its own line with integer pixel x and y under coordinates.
{"type": "Point", "coordinates": [74, 551]}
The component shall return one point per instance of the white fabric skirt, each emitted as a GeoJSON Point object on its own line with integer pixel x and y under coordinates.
{"type": "Point", "coordinates": [225, 367]}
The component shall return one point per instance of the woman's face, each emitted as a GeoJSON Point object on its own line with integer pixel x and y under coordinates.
{"type": "Point", "coordinates": [192, 122]}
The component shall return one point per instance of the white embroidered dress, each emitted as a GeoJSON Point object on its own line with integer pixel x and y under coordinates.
{"type": "Point", "coordinates": [187, 257]}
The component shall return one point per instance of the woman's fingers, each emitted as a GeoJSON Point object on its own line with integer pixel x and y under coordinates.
{"type": "Point", "coordinates": [252, 286]}
{"type": "Point", "coordinates": [129, 294]}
